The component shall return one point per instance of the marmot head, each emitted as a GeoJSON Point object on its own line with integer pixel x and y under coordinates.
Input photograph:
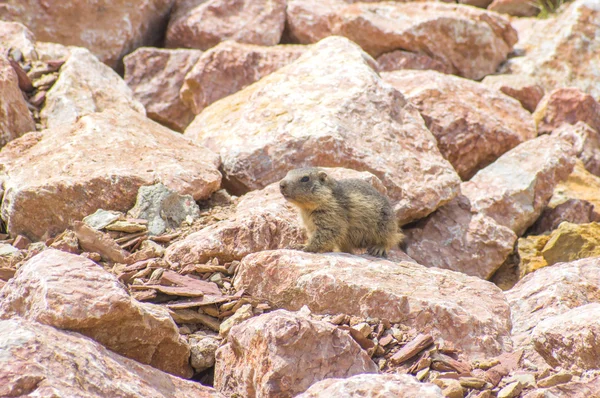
{"type": "Point", "coordinates": [305, 187]}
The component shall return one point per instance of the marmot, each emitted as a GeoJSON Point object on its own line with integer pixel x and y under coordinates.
{"type": "Point", "coordinates": [341, 215]}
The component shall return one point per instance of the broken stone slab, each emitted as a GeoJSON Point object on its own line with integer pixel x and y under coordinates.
{"type": "Point", "coordinates": [75, 93]}
{"type": "Point", "coordinates": [41, 361]}
{"type": "Point", "coordinates": [73, 293]}
{"type": "Point", "coordinates": [155, 75]}
{"type": "Point", "coordinates": [16, 36]}
{"type": "Point", "coordinates": [54, 178]}
{"type": "Point", "coordinates": [458, 238]}
{"type": "Point", "coordinates": [586, 144]}
{"type": "Point", "coordinates": [484, 122]}
{"type": "Point", "coordinates": [464, 310]}
{"type": "Point", "coordinates": [562, 51]}
{"type": "Point", "coordinates": [522, 88]}
{"type": "Point", "coordinates": [576, 389]}
{"type": "Point", "coordinates": [474, 51]}
{"type": "Point", "coordinates": [567, 106]}
{"type": "Point", "coordinates": [58, 22]}
{"type": "Point", "coordinates": [203, 25]}
{"type": "Point", "coordinates": [569, 340]}
{"type": "Point", "coordinates": [277, 122]}
{"type": "Point", "coordinates": [229, 67]}
{"type": "Point", "coordinates": [268, 355]}
{"type": "Point", "coordinates": [373, 386]}
{"type": "Point", "coordinates": [101, 218]}
{"type": "Point", "coordinates": [15, 118]}
{"type": "Point", "coordinates": [163, 208]}
{"type": "Point", "coordinates": [515, 188]}
{"type": "Point", "coordinates": [94, 241]}
{"type": "Point", "coordinates": [263, 220]}
{"type": "Point", "coordinates": [552, 291]}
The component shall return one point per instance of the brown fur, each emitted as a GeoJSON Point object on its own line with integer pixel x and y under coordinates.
{"type": "Point", "coordinates": [341, 215]}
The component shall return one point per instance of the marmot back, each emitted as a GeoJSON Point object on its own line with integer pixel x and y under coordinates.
{"type": "Point", "coordinates": [341, 215]}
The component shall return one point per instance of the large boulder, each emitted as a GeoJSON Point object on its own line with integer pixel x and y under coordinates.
{"type": "Point", "coordinates": [53, 178]}
{"type": "Point", "coordinates": [483, 123]}
{"type": "Point", "coordinates": [109, 29]}
{"type": "Point", "coordinates": [473, 41]}
{"type": "Point", "coordinates": [203, 24]}
{"type": "Point", "coordinates": [467, 311]}
{"type": "Point", "coordinates": [281, 354]}
{"type": "Point", "coordinates": [40, 361]}
{"type": "Point", "coordinates": [73, 293]}
{"type": "Point", "coordinates": [15, 118]}
{"type": "Point", "coordinates": [155, 76]}
{"type": "Point", "coordinates": [309, 114]}
{"type": "Point", "coordinates": [85, 85]}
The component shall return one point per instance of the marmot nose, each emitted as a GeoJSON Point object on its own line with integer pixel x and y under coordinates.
{"type": "Point", "coordinates": [282, 185]}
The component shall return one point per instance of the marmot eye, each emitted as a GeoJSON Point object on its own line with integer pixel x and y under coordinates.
{"type": "Point", "coordinates": [304, 179]}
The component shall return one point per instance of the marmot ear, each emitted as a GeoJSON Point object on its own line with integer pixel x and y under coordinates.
{"type": "Point", "coordinates": [322, 175]}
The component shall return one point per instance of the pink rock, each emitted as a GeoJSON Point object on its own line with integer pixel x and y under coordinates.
{"type": "Point", "coordinates": [585, 141]}
{"type": "Point", "coordinates": [54, 178]}
{"type": "Point", "coordinates": [73, 293]}
{"type": "Point", "coordinates": [281, 354]}
{"type": "Point", "coordinates": [552, 291]}
{"type": "Point", "coordinates": [570, 340]}
{"type": "Point", "coordinates": [562, 51]}
{"type": "Point", "coordinates": [373, 386]}
{"type": "Point", "coordinates": [517, 8]}
{"type": "Point", "coordinates": [229, 67]}
{"type": "Point", "coordinates": [474, 51]}
{"type": "Point", "coordinates": [156, 75]}
{"type": "Point", "coordinates": [204, 24]}
{"type": "Point", "coordinates": [578, 389]}
{"type": "Point", "coordinates": [41, 361]}
{"type": "Point", "coordinates": [567, 105]}
{"type": "Point", "coordinates": [522, 88]}
{"type": "Point", "coordinates": [15, 119]}
{"type": "Point", "coordinates": [515, 188]}
{"type": "Point", "coordinates": [399, 59]}
{"type": "Point", "coordinates": [263, 220]}
{"type": "Point", "coordinates": [16, 36]}
{"type": "Point", "coordinates": [77, 91]}
{"type": "Point", "coordinates": [482, 125]}
{"type": "Point", "coordinates": [467, 311]}
{"type": "Point", "coordinates": [309, 114]}
{"type": "Point", "coordinates": [107, 28]}
{"type": "Point", "coordinates": [456, 237]}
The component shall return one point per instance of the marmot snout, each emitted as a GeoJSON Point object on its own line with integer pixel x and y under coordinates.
{"type": "Point", "coordinates": [341, 215]}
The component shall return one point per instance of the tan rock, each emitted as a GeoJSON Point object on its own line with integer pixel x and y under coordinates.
{"type": "Point", "coordinates": [586, 143]}
{"type": "Point", "coordinates": [373, 386]}
{"type": "Point", "coordinates": [41, 361]}
{"type": "Point", "coordinates": [229, 67]}
{"type": "Point", "coordinates": [73, 293]}
{"type": "Point", "coordinates": [206, 23]}
{"type": "Point", "coordinates": [522, 88]}
{"type": "Point", "coordinates": [530, 253]}
{"type": "Point", "coordinates": [571, 242]}
{"type": "Point", "coordinates": [15, 119]}
{"type": "Point", "coordinates": [107, 28]}
{"type": "Point", "coordinates": [569, 340]}
{"type": "Point", "coordinates": [474, 51]}
{"type": "Point", "coordinates": [563, 51]}
{"type": "Point", "coordinates": [263, 220]}
{"type": "Point", "coordinates": [282, 353]}
{"type": "Point", "coordinates": [16, 36]}
{"type": "Point", "coordinates": [85, 85]}
{"type": "Point", "coordinates": [483, 124]}
{"type": "Point", "coordinates": [62, 175]}
{"type": "Point", "coordinates": [555, 379]}
{"type": "Point", "coordinates": [567, 105]}
{"type": "Point", "coordinates": [517, 8]}
{"type": "Point", "coordinates": [551, 291]}
{"type": "Point", "coordinates": [580, 389]}
{"type": "Point", "coordinates": [400, 59]}
{"type": "Point", "coordinates": [456, 237]}
{"type": "Point", "coordinates": [515, 188]}
{"type": "Point", "coordinates": [455, 307]}
{"type": "Point", "coordinates": [308, 114]}
{"type": "Point", "coordinates": [155, 76]}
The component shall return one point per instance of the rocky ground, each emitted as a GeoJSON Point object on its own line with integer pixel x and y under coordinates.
{"type": "Point", "coordinates": [146, 251]}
